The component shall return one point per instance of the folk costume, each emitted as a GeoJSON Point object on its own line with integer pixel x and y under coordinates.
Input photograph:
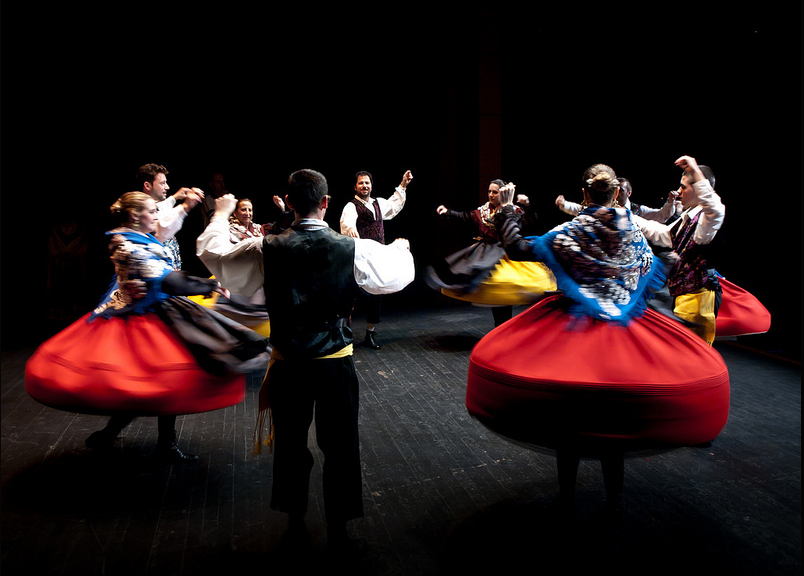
{"type": "Point", "coordinates": [692, 283]}
{"type": "Point", "coordinates": [592, 371]}
{"type": "Point", "coordinates": [311, 275]}
{"type": "Point", "coordinates": [482, 273]}
{"type": "Point", "coordinates": [367, 217]}
{"type": "Point", "coordinates": [146, 350]}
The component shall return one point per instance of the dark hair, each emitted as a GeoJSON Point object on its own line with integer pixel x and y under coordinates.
{"type": "Point", "coordinates": [306, 188]}
{"type": "Point", "coordinates": [600, 183]}
{"type": "Point", "coordinates": [625, 185]}
{"type": "Point", "coordinates": [498, 182]}
{"type": "Point", "coordinates": [364, 173]}
{"type": "Point", "coordinates": [148, 173]}
{"type": "Point", "coordinates": [127, 204]}
{"type": "Point", "coordinates": [708, 174]}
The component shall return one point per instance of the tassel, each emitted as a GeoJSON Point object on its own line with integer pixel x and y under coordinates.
{"type": "Point", "coordinates": [258, 441]}
{"type": "Point", "coordinates": [264, 404]}
{"type": "Point", "coordinates": [264, 413]}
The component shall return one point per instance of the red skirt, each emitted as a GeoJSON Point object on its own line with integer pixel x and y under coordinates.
{"type": "Point", "coordinates": [133, 365]}
{"type": "Point", "coordinates": [740, 312]}
{"type": "Point", "coordinates": [550, 379]}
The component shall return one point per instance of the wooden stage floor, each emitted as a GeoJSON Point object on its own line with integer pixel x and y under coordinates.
{"type": "Point", "coordinates": [442, 494]}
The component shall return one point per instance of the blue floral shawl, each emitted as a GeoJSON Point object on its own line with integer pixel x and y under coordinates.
{"type": "Point", "coordinates": [602, 262]}
{"type": "Point", "coordinates": [141, 262]}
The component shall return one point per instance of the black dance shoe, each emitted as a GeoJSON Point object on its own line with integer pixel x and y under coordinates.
{"type": "Point", "coordinates": [370, 341]}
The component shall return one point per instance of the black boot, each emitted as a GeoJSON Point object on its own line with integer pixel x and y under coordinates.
{"type": "Point", "coordinates": [168, 451]}
{"type": "Point", "coordinates": [370, 341]}
{"type": "Point", "coordinates": [102, 441]}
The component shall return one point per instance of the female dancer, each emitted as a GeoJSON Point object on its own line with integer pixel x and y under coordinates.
{"type": "Point", "coordinates": [592, 372]}
{"type": "Point", "coordinates": [249, 312]}
{"type": "Point", "coordinates": [241, 222]}
{"type": "Point", "coordinates": [481, 273]}
{"type": "Point", "coordinates": [145, 350]}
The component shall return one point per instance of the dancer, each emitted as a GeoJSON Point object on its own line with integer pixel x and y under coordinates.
{"type": "Point", "coordinates": [171, 210]}
{"type": "Point", "coordinates": [241, 222]}
{"type": "Point", "coordinates": [606, 271]}
{"type": "Point", "coordinates": [248, 311]}
{"type": "Point", "coordinates": [145, 350]}
{"type": "Point", "coordinates": [311, 276]}
{"type": "Point", "coordinates": [668, 212]}
{"type": "Point", "coordinates": [481, 273]}
{"type": "Point", "coordinates": [363, 217]}
{"type": "Point", "coordinates": [693, 282]}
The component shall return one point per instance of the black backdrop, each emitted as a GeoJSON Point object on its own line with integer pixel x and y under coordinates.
{"type": "Point", "coordinates": [461, 97]}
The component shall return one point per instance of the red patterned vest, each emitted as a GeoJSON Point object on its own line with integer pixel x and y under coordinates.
{"type": "Point", "coordinates": [369, 225]}
{"type": "Point", "coordinates": [692, 269]}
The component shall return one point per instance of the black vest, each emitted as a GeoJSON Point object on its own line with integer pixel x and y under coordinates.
{"type": "Point", "coordinates": [309, 291]}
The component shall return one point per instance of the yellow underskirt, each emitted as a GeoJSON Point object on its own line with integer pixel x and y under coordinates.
{"type": "Point", "coordinates": [261, 327]}
{"type": "Point", "coordinates": [511, 283]}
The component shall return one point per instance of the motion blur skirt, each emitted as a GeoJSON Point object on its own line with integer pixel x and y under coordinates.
{"type": "Point", "coordinates": [740, 313]}
{"type": "Point", "coordinates": [139, 365]}
{"type": "Point", "coordinates": [550, 379]}
{"type": "Point", "coordinates": [510, 283]}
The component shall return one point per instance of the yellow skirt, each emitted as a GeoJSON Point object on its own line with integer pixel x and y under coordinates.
{"type": "Point", "coordinates": [511, 283]}
{"type": "Point", "coordinates": [261, 326]}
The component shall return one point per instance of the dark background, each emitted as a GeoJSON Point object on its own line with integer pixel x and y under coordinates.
{"type": "Point", "coordinates": [459, 98]}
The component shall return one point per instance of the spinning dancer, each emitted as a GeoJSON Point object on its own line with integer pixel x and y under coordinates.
{"type": "Point", "coordinates": [145, 350]}
{"type": "Point", "coordinates": [692, 282]}
{"type": "Point", "coordinates": [481, 273]}
{"type": "Point", "coordinates": [611, 376]}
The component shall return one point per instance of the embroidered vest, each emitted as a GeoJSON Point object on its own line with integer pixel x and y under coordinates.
{"type": "Point", "coordinates": [309, 291]}
{"type": "Point", "coordinates": [369, 225]}
{"type": "Point", "coordinates": [691, 272]}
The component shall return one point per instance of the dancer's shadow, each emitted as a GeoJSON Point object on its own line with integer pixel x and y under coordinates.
{"type": "Point", "coordinates": [80, 483]}
{"type": "Point", "coordinates": [460, 342]}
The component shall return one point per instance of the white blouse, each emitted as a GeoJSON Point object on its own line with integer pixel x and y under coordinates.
{"type": "Point", "coordinates": [378, 269]}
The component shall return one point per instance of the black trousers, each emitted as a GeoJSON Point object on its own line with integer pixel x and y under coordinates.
{"type": "Point", "coordinates": [372, 303]}
{"type": "Point", "coordinates": [326, 390]}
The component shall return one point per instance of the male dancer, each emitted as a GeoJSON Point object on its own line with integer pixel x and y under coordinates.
{"type": "Point", "coordinates": [170, 214]}
{"type": "Point", "coordinates": [363, 217]}
{"type": "Point", "coordinates": [311, 275]}
{"type": "Point", "coordinates": [692, 280]}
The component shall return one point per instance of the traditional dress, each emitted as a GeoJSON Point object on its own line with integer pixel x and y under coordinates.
{"type": "Point", "coordinates": [248, 311]}
{"type": "Point", "coordinates": [693, 283]}
{"type": "Point", "coordinates": [311, 275]}
{"type": "Point", "coordinates": [239, 231]}
{"type": "Point", "coordinates": [593, 370]}
{"type": "Point", "coordinates": [482, 273]}
{"type": "Point", "coordinates": [367, 217]}
{"type": "Point", "coordinates": [740, 313]}
{"type": "Point", "coordinates": [146, 350]}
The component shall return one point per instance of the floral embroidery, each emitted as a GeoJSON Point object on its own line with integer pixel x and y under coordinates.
{"type": "Point", "coordinates": [605, 254]}
{"type": "Point", "coordinates": [116, 302]}
{"type": "Point", "coordinates": [140, 262]}
{"type": "Point", "coordinates": [238, 232]}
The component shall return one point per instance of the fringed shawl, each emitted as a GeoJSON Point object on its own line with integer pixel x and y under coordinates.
{"type": "Point", "coordinates": [602, 262]}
